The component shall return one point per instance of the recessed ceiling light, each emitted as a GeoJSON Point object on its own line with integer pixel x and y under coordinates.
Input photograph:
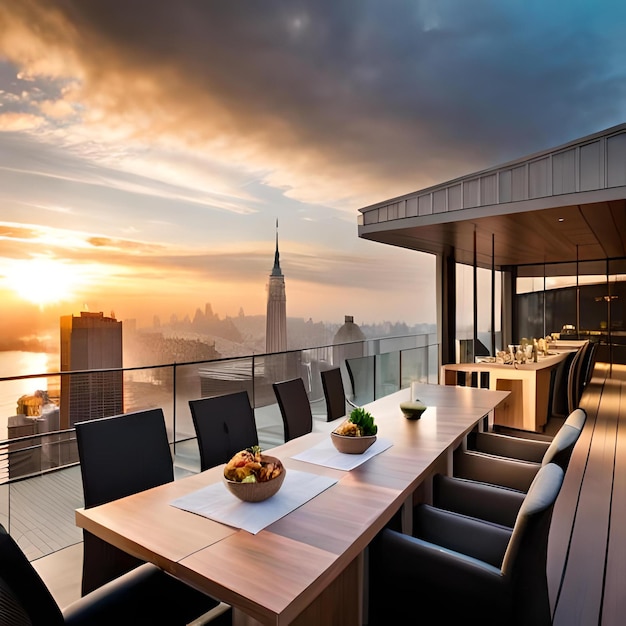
{"type": "Point", "coordinates": [561, 219]}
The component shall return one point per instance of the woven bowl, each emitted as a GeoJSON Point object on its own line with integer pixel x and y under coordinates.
{"type": "Point", "coordinates": [352, 445]}
{"type": "Point", "coordinates": [257, 492]}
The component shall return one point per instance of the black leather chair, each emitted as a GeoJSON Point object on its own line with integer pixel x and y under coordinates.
{"type": "Point", "coordinates": [140, 597]}
{"type": "Point", "coordinates": [517, 473]}
{"type": "Point", "coordinates": [588, 364]}
{"type": "Point", "coordinates": [224, 425]}
{"type": "Point", "coordinates": [294, 407]}
{"type": "Point", "coordinates": [120, 456]}
{"type": "Point", "coordinates": [584, 364]}
{"type": "Point", "coordinates": [574, 389]}
{"type": "Point", "coordinates": [461, 570]}
{"type": "Point", "coordinates": [334, 394]}
{"type": "Point", "coordinates": [493, 487]}
{"type": "Point", "coordinates": [519, 447]}
{"type": "Point", "coordinates": [558, 401]}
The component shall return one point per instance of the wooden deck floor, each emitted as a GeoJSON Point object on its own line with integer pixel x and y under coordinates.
{"type": "Point", "coordinates": [587, 549]}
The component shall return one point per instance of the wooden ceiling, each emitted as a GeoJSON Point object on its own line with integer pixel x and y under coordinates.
{"type": "Point", "coordinates": [569, 233]}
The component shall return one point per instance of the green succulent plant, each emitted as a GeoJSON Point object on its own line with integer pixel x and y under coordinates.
{"type": "Point", "coordinates": [364, 420]}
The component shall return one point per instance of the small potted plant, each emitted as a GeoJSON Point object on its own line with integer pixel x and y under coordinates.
{"type": "Point", "coordinates": [356, 434]}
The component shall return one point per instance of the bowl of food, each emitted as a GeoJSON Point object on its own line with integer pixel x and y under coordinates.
{"type": "Point", "coordinates": [356, 434]}
{"type": "Point", "coordinates": [253, 476]}
{"type": "Point", "coordinates": [412, 410]}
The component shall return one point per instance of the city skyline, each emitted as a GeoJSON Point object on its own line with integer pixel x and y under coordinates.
{"type": "Point", "coordinates": [147, 148]}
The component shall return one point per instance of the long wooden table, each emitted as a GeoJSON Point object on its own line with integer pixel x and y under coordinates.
{"type": "Point", "coordinates": [306, 568]}
{"type": "Point", "coordinates": [529, 384]}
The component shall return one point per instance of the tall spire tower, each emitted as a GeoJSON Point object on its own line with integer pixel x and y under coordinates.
{"type": "Point", "coordinates": [276, 321]}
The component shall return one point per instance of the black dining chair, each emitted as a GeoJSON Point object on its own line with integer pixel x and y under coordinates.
{"type": "Point", "coordinates": [141, 597]}
{"type": "Point", "coordinates": [559, 399]}
{"type": "Point", "coordinates": [337, 402]}
{"type": "Point", "coordinates": [294, 406]}
{"type": "Point", "coordinates": [519, 446]}
{"type": "Point", "coordinates": [584, 364]}
{"type": "Point", "coordinates": [120, 456]}
{"type": "Point", "coordinates": [224, 425]}
{"type": "Point", "coordinates": [519, 473]}
{"type": "Point", "coordinates": [492, 487]}
{"type": "Point", "coordinates": [464, 570]}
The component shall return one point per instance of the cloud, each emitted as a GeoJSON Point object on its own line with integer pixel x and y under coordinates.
{"type": "Point", "coordinates": [339, 102]}
{"type": "Point", "coordinates": [58, 109]}
{"type": "Point", "coordinates": [318, 266]}
{"type": "Point", "coordinates": [15, 122]}
{"type": "Point", "coordinates": [194, 124]}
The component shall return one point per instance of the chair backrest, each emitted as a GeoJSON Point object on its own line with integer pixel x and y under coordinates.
{"type": "Point", "coordinates": [24, 598]}
{"type": "Point", "coordinates": [588, 362]}
{"type": "Point", "coordinates": [122, 455]}
{"type": "Point", "coordinates": [224, 425]}
{"type": "Point", "coordinates": [119, 456]}
{"type": "Point", "coordinates": [334, 394]}
{"type": "Point", "coordinates": [586, 353]}
{"type": "Point", "coordinates": [560, 402]}
{"type": "Point", "coordinates": [525, 558]}
{"type": "Point", "coordinates": [562, 445]}
{"type": "Point", "coordinates": [294, 408]}
{"type": "Point", "coordinates": [573, 376]}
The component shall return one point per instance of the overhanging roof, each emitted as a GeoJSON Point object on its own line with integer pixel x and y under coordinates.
{"type": "Point", "coordinates": [563, 204]}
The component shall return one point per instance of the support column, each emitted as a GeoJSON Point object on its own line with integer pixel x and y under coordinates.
{"type": "Point", "coordinates": [446, 306]}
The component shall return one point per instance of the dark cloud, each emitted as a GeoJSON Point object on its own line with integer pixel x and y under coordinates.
{"type": "Point", "coordinates": [394, 91]}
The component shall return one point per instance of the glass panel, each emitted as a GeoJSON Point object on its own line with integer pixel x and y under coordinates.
{"type": "Point", "coordinates": [484, 309]}
{"type": "Point", "coordinates": [387, 374]}
{"type": "Point", "coordinates": [433, 363]}
{"type": "Point", "coordinates": [464, 311]}
{"type": "Point", "coordinates": [414, 366]}
{"type": "Point", "coordinates": [530, 316]}
{"type": "Point", "coordinates": [560, 309]}
{"type": "Point", "coordinates": [362, 372]}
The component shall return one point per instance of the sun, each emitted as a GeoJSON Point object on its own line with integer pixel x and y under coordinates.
{"type": "Point", "coordinates": [42, 280]}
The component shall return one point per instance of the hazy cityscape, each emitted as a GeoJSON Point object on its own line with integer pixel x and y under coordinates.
{"type": "Point", "coordinates": [95, 345]}
{"type": "Point", "coordinates": [203, 335]}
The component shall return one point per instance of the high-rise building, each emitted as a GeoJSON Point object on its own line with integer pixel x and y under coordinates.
{"type": "Point", "coordinates": [276, 321]}
{"type": "Point", "coordinates": [90, 342]}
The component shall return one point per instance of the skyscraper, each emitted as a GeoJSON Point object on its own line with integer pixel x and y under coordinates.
{"type": "Point", "coordinates": [276, 321]}
{"type": "Point", "coordinates": [90, 342]}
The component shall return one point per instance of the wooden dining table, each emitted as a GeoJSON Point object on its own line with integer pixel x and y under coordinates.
{"type": "Point", "coordinates": [527, 408]}
{"type": "Point", "coordinates": [309, 566]}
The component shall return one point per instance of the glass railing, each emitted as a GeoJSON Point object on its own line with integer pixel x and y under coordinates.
{"type": "Point", "coordinates": [39, 472]}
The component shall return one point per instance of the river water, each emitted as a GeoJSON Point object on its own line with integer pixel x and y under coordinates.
{"type": "Point", "coordinates": [15, 363]}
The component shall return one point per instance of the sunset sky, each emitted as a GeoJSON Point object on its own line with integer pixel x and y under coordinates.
{"type": "Point", "coordinates": [147, 147]}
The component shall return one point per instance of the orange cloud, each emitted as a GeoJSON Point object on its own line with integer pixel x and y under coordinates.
{"type": "Point", "coordinates": [139, 85]}
{"type": "Point", "coordinates": [20, 121]}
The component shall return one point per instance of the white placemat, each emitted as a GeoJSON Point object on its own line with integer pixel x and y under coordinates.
{"type": "Point", "coordinates": [325, 453]}
{"type": "Point", "coordinates": [218, 504]}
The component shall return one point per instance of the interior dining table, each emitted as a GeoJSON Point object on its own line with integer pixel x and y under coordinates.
{"type": "Point", "coordinates": [528, 406]}
{"type": "Point", "coordinates": [308, 566]}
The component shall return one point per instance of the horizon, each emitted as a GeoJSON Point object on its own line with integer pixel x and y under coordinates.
{"type": "Point", "coordinates": [148, 149]}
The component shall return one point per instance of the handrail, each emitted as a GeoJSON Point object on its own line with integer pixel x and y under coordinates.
{"type": "Point", "coordinates": [254, 355]}
{"type": "Point", "coordinates": [43, 456]}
